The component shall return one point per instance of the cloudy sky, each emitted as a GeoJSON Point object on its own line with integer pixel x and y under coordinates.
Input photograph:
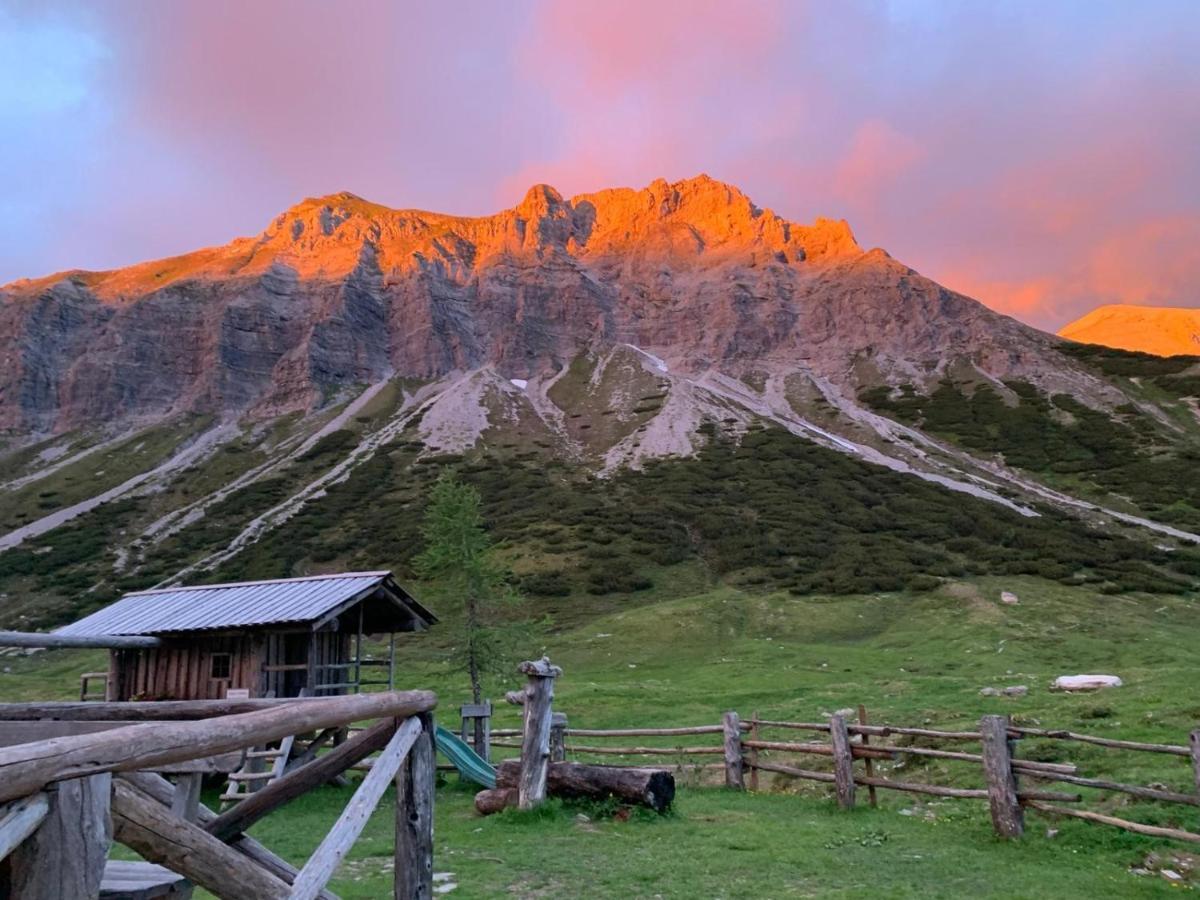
{"type": "Point", "coordinates": [1042, 156]}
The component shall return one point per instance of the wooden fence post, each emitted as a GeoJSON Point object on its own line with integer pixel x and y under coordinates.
{"type": "Point", "coordinates": [535, 743]}
{"type": "Point", "coordinates": [413, 877]}
{"type": "Point", "coordinates": [754, 752]}
{"type": "Point", "coordinates": [843, 762]}
{"type": "Point", "coordinates": [870, 767]}
{"type": "Point", "coordinates": [1007, 816]}
{"type": "Point", "coordinates": [1194, 740]}
{"type": "Point", "coordinates": [65, 856]}
{"type": "Point", "coordinates": [558, 737]}
{"type": "Point", "coordinates": [734, 776]}
{"type": "Point", "coordinates": [479, 717]}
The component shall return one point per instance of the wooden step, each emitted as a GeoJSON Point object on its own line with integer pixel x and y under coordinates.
{"type": "Point", "coordinates": [251, 776]}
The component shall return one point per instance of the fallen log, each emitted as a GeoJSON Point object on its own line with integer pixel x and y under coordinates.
{"type": "Point", "coordinates": [494, 799]}
{"type": "Point", "coordinates": [654, 788]}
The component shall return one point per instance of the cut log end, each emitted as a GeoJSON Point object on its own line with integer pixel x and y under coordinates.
{"type": "Point", "coordinates": [494, 800]}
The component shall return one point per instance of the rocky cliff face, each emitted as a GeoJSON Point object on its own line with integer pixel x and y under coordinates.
{"type": "Point", "coordinates": [1163, 331]}
{"type": "Point", "coordinates": [338, 291]}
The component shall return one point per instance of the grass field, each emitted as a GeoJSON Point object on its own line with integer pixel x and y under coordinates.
{"type": "Point", "coordinates": [910, 658]}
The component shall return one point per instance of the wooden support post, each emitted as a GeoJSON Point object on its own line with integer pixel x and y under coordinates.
{"type": "Point", "coordinates": [185, 803]}
{"type": "Point", "coordinates": [535, 744]}
{"type": "Point", "coordinates": [734, 777]}
{"type": "Point", "coordinates": [558, 737]}
{"type": "Point", "coordinates": [754, 752]}
{"type": "Point", "coordinates": [358, 650]}
{"type": "Point", "coordinates": [1194, 740]}
{"type": "Point", "coordinates": [345, 831]}
{"type": "Point", "coordinates": [391, 661]}
{"type": "Point", "coordinates": [862, 720]}
{"type": "Point", "coordinates": [477, 727]}
{"type": "Point", "coordinates": [843, 762]}
{"type": "Point", "coordinates": [143, 824]}
{"type": "Point", "coordinates": [1007, 816]}
{"type": "Point", "coordinates": [65, 856]}
{"type": "Point", "coordinates": [415, 782]}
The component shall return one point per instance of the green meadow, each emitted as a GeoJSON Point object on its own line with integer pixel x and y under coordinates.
{"type": "Point", "coordinates": [912, 658]}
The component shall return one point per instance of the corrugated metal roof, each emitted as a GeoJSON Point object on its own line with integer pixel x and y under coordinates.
{"type": "Point", "coordinates": [241, 605]}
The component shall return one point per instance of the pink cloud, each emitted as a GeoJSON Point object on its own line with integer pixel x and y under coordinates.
{"type": "Point", "coordinates": [878, 155]}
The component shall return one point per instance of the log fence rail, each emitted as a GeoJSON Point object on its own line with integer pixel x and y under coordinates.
{"type": "Point", "coordinates": [1011, 784]}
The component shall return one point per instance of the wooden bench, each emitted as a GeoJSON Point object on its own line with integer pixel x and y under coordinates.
{"type": "Point", "coordinates": [130, 880]}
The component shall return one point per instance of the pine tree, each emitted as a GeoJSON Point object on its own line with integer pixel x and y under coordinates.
{"type": "Point", "coordinates": [459, 560]}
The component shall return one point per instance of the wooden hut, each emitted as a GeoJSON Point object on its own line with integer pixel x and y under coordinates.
{"type": "Point", "coordinates": [267, 638]}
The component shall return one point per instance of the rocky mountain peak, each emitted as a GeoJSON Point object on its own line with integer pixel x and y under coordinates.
{"type": "Point", "coordinates": [1161, 330]}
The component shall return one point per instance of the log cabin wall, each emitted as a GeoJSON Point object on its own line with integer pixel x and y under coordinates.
{"type": "Point", "coordinates": [184, 669]}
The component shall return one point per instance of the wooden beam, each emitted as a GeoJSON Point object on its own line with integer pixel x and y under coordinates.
{"type": "Point", "coordinates": [1174, 749]}
{"type": "Point", "coordinates": [20, 819]}
{"type": "Point", "coordinates": [843, 762]}
{"type": "Point", "coordinates": [64, 857]}
{"type": "Point", "coordinates": [868, 764]}
{"type": "Point", "coordinates": [162, 791]}
{"type": "Point", "coordinates": [28, 768]}
{"type": "Point", "coordinates": [1007, 817]}
{"type": "Point", "coordinates": [145, 825]}
{"type": "Point", "coordinates": [141, 711]}
{"type": "Point", "coordinates": [299, 781]}
{"type": "Point", "coordinates": [1174, 834]}
{"type": "Point", "coordinates": [345, 831]}
{"type": "Point", "coordinates": [413, 870]}
{"type": "Point", "coordinates": [734, 775]}
{"type": "Point", "coordinates": [111, 641]}
{"type": "Point", "coordinates": [1194, 741]}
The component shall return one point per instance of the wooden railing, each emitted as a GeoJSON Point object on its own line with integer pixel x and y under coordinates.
{"type": "Point", "coordinates": [65, 797]}
{"type": "Point", "coordinates": [1011, 784]}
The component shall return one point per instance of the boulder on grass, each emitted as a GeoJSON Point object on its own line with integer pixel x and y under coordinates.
{"type": "Point", "coordinates": [1085, 682]}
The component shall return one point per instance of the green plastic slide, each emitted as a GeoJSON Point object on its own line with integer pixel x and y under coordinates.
{"type": "Point", "coordinates": [469, 763]}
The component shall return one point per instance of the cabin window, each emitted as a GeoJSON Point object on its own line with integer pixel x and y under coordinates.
{"type": "Point", "coordinates": [221, 664]}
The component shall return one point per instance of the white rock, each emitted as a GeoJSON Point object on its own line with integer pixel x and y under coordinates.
{"type": "Point", "coordinates": [1171, 875]}
{"type": "Point", "coordinates": [1010, 598]}
{"type": "Point", "coordinates": [520, 382]}
{"type": "Point", "coordinates": [1086, 682]}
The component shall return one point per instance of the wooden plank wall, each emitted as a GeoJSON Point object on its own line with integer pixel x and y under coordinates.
{"type": "Point", "coordinates": [182, 671]}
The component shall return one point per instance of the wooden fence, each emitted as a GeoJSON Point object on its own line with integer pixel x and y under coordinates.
{"type": "Point", "coordinates": [63, 798]}
{"type": "Point", "coordinates": [1011, 785]}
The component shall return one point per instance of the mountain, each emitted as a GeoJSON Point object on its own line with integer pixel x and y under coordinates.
{"type": "Point", "coordinates": [647, 386]}
{"type": "Point", "coordinates": [338, 291]}
{"type": "Point", "coordinates": [1160, 330]}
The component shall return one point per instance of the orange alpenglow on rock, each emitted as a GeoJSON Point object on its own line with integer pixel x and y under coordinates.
{"type": "Point", "coordinates": [1161, 330]}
